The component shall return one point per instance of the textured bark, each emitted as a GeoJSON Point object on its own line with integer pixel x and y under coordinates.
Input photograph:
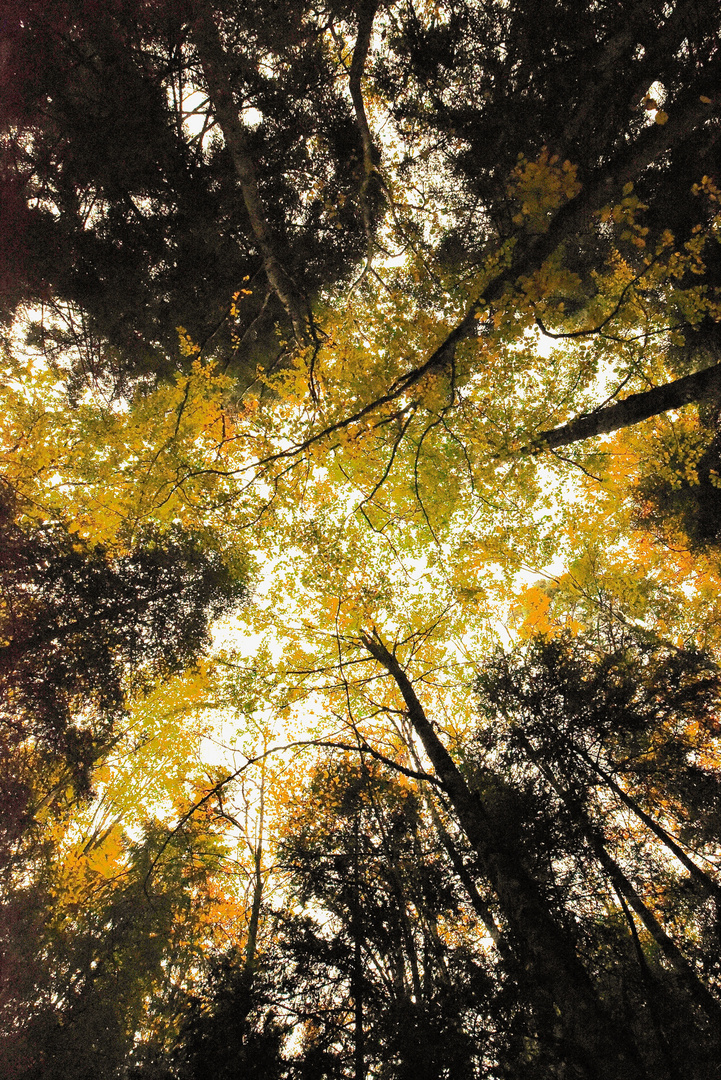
{"type": "Point", "coordinates": [216, 70]}
{"type": "Point", "coordinates": [547, 949]}
{"type": "Point", "coordinates": [702, 879]}
{"type": "Point", "coordinates": [682, 968]}
{"type": "Point", "coordinates": [366, 15]}
{"type": "Point", "coordinates": [632, 410]}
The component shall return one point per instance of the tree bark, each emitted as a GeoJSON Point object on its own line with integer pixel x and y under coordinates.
{"type": "Point", "coordinates": [214, 63]}
{"type": "Point", "coordinates": [366, 15]}
{"type": "Point", "coordinates": [682, 968]}
{"type": "Point", "coordinates": [548, 951]}
{"type": "Point", "coordinates": [633, 409]}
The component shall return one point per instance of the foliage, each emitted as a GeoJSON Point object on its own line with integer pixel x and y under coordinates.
{"type": "Point", "coordinates": [407, 315]}
{"type": "Point", "coordinates": [128, 199]}
{"type": "Point", "coordinates": [82, 632]}
{"type": "Point", "coordinates": [680, 497]}
{"type": "Point", "coordinates": [617, 745]}
{"type": "Point", "coordinates": [363, 878]}
{"type": "Point", "coordinates": [110, 942]}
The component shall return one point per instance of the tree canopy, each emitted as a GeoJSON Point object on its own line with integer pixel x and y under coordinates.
{"type": "Point", "coordinates": [360, 508]}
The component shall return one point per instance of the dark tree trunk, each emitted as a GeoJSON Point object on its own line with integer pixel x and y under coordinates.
{"type": "Point", "coordinates": [596, 1044]}
{"type": "Point", "coordinates": [357, 929]}
{"type": "Point", "coordinates": [216, 71]}
{"type": "Point", "coordinates": [707, 884]}
{"type": "Point", "coordinates": [683, 969]}
{"type": "Point", "coordinates": [631, 410]}
{"type": "Point", "coordinates": [366, 15]}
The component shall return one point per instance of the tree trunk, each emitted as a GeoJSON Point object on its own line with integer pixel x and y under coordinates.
{"type": "Point", "coordinates": [707, 884]}
{"type": "Point", "coordinates": [682, 968]}
{"type": "Point", "coordinates": [214, 63]}
{"type": "Point", "coordinates": [602, 1050]}
{"type": "Point", "coordinates": [631, 410]}
{"type": "Point", "coordinates": [480, 907]}
{"type": "Point", "coordinates": [357, 981]}
{"type": "Point", "coordinates": [254, 923]}
{"type": "Point", "coordinates": [366, 15]}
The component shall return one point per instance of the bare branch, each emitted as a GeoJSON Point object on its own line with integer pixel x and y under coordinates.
{"type": "Point", "coordinates": [213, 791]}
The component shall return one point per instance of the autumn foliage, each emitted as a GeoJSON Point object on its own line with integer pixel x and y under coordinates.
{"type": "Point", "coordinates": [360, 540]}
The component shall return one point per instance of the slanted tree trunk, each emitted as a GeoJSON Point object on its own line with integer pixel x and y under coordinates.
{"type": "Point", "coordinates": [602, 1049]}
{"type": "Point", "coordinates": [633, 409]}
{"type": "Point", "coordinates": [216, 70]}
{"type": "Point", "coordinates": [683, 969]}
{"type": "Point", "coordinates": [480, 907]}
{"type": "Point", "coordinates": [706, 883]}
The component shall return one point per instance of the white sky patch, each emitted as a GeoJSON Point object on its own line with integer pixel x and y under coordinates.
{"type": "Point", "coordinates": [252, 117]}
{"type": "Point", "coordinates": [551, 572]}
{"type": "Point", "coordinates": [545, 344]}
{"type": "Point", "coordinates": [654, 101]}
{"type": "Point", "coordinates": [195, 112]}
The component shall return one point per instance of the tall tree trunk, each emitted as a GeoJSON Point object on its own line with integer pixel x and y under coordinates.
{"type": "Point", "coordinates": [357, 987]}
{"type": "Point", "coordinates": [516, 971]}
{"type": "Point", "coordinates": [631, 410]}
{"type": "Point", "coordinates": [682, 968]}
{"type": "Point", "coordinates": [702, 879]}
{"type": "Point", "coordinates": [651, 991]}
{"type": "Point", "coordinates": [395, 882]}
{"type": "Point", "coordinates": [480, 907]}
{"type": "Point", "coordinates": [216, 70]}
{"type": "Point", "coordinates": [603, 1051]}
{"type": "Point", "coordinates": [254, 922]}
{"type": "Point", "coordinates": [366, 15]}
